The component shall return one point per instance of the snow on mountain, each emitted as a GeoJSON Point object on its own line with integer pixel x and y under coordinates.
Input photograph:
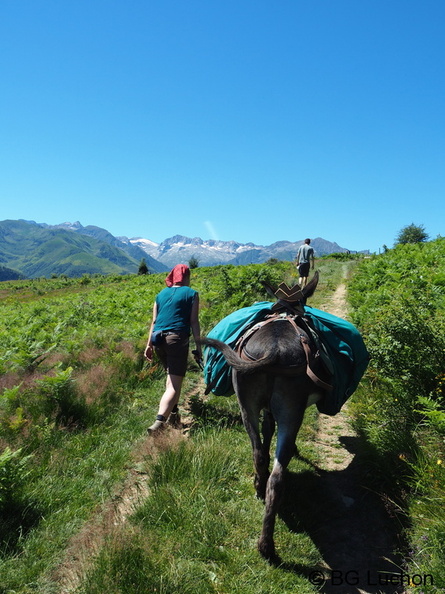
{"type": "Point", "coordinates": [140, 242]}
{"type": "Point", "coordinates": [179, 250]}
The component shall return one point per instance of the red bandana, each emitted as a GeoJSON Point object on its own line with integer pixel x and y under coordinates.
{"type": "Point", "coordinates": [176, 276]}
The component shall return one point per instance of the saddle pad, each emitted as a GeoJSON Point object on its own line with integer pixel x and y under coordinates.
{"type": "Point", "coordinates": [217, 374]}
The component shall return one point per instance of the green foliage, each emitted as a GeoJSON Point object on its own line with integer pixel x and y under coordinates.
{"type": "Point", "coordinates": [433, 412]}
{"type": "Point", "coordinates": [399, 302]}
{"type": "Point", "coordinates": [344, 256]}
{"type": "Point", "coordinates": [193, 263]}
{"type": "Point", "coordinates": [143, 268]}
{"type": "Point", "coordinates": [17, 512]}
{"type": "Point", "coordinates": [60, 398]}
{"type": "Point", "coordinates": [13, 473]}
{"type": "Point", "coordinates": [76, 393]}
{"type": "Point", "coordinates": [412, 234]}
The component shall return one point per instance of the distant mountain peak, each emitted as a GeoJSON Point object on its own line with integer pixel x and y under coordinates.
{"type": "Point", "coordinates": [177, 249]}
{"type": "Point", "coordinates": [140, 242]}
{"type": "Point", "coordinates": [76, 225]}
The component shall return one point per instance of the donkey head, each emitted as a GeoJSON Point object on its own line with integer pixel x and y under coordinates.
{"type": "Point", "coordinates": [292, 296]}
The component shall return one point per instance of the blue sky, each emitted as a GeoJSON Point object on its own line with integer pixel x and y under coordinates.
{"type": "Point", "coordinates": [248, 120]}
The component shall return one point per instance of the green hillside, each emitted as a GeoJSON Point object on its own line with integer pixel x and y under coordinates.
{"type": "Point", "coordinates": [38, 252]}
{"type": "Point", "coordinates": [9, 274]}
{"type": "Point", "coordinates": [76, 398]}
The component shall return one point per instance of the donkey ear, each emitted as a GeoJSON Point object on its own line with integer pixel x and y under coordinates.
{"type": "Point", "coordinates": [269, 288]}
{"type": "Point", "coordinates": [309, 289]}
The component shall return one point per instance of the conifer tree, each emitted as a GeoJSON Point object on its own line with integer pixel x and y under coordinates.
{"type": "Point", "coordinates": [193, 262]}
{"type": "Point", "coordinates": [143, 268]}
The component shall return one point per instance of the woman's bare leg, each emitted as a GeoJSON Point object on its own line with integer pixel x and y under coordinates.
{"type": "Point", "coordinates": [168, 401]}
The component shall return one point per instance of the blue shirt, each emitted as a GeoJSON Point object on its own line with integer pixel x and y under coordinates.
{"type": "Point", "coordinates": [174, 305]}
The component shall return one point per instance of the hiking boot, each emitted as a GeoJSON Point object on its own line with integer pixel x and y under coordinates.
{"type": "Point", "coordinates": [157, 426]}
{"type": "Point", "coordinates": [174, 420]}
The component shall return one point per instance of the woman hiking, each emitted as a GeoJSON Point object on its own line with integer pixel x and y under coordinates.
{"type": "Point", "coordinates": [175, 315]}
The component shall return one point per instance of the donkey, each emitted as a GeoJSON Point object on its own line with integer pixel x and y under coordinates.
{"type": "Point", "coordinates": [275, 369]}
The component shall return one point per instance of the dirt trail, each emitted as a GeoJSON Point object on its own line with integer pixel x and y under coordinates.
{"type": "Point", "coordinates": [84, 547]}
{"type": "Point", "coordinates": [357, 535]}
{"type": "Point", "coordinates": [331, 428]}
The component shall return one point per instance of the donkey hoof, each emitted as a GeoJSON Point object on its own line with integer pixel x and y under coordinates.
{"type": "Point", "coordinates": [260, 489]}
{"type": "Point", "coordinates": [267, 550]}
{"type": "Point", "coordinates": [261, 495]}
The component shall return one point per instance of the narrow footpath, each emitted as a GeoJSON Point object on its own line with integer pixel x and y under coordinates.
{"type": "Point", "coordinates": [356, 535]}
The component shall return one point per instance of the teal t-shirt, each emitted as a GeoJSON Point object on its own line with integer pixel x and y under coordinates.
{"type": "Point", "coordinates": [174, 306]}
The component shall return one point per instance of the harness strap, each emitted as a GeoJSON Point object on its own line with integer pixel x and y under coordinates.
{"type": "Point", "coordinates": [317, 381]}
{"type": "Point", "coordinates": [240, 344]}
{"type": "Point", "coordinates": [242, 352]}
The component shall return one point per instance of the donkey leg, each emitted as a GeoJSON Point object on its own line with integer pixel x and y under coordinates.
{"type": "Point", "coordinates": [251, 403]}
{"type": "Point", "coordinates": [266, 545]}
{"type": "Point", "coordinates": [267, 430]}
{"type": "Point", "coordinates": [261, 457]}
{"type": "Point", "coordinates": [288, 412]}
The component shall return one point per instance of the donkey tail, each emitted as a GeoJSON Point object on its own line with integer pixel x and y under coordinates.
{"type": "Point", "coordinates": [235, 361]}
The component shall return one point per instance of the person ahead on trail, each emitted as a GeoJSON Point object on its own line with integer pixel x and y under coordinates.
{"type": "Point", "coordinates": [305, 256]}
{"type": "Point", "coordinates": [175, 314]}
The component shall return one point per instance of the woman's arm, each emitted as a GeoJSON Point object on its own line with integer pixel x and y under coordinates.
{"type": "Point", "coordinates": [194, 324]}
{"type": "Point", "coordinates": [149, 348]}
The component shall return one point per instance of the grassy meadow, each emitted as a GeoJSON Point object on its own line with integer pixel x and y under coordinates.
{"type": "Point", "coordinates": [76, 397]}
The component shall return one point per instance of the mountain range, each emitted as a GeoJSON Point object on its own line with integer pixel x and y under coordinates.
{"type": "Point", "coordinates": [180, 249]}
{"type": "Point", "coordinates": [31, 250]}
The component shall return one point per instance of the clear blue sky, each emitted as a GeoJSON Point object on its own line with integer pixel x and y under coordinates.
{"type": "Point", "coordinates": [249, 120]}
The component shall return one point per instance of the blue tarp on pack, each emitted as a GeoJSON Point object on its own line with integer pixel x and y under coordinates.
{"type": "Point", "coordinates": [347, 352]}
{"type": "Point", "coordinates": [341, 339]}
{"type": "Point", "coordinates": [217, 373]}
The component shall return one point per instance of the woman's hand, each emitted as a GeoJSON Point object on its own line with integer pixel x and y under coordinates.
{"type": "Point", "coordinates": [148, 352]}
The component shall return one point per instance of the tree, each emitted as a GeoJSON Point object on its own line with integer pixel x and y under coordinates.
{"type": "Point", "coordinates": [143, 268]}
{"type": "Point", "coordinates": [412, 234]}
{"type": "Point", "coordinates": [193, 262]}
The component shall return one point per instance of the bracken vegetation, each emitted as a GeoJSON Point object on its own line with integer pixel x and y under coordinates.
{"type": "Point", "coordinates": [399, 303]}
{"type": "Point", "coordinates": [76, 397]}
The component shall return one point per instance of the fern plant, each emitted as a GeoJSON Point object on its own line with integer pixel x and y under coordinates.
{"type": "Point", "coordinates": [13, 473]}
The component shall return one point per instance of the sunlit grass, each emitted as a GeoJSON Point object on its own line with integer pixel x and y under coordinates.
{"type": "Point", "coordinates": [197, 530]}
{"type": "Point", "coordinates": [399, 301]}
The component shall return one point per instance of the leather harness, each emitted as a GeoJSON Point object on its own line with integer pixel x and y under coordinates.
{"type": "Point", "coordinates": [311, 358]}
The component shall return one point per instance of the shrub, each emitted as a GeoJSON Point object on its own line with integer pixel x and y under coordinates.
{"type": "Point", "coordinates": [12, 477]}
{"type": "Point", "coordinates": [61, 399]}
{"type": "Point", "coordinates": [398, 300]}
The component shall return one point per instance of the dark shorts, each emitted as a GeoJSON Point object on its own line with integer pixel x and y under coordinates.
{"type": "Point", "coordinates": [173, 353]}
{"type": "Point", "coordinates": [303, 269]}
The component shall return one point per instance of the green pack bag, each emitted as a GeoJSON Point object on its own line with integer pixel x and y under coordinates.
{"type": "Point", "coordinates": [341, 339]}
{"type": "Point", "coordinates": [217, 374]}
{"type": "Point", "coordinates": [347, 352]}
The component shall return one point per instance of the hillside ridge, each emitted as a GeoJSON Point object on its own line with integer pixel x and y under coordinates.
{"type": "Point", "coordinates": [31, 250]}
